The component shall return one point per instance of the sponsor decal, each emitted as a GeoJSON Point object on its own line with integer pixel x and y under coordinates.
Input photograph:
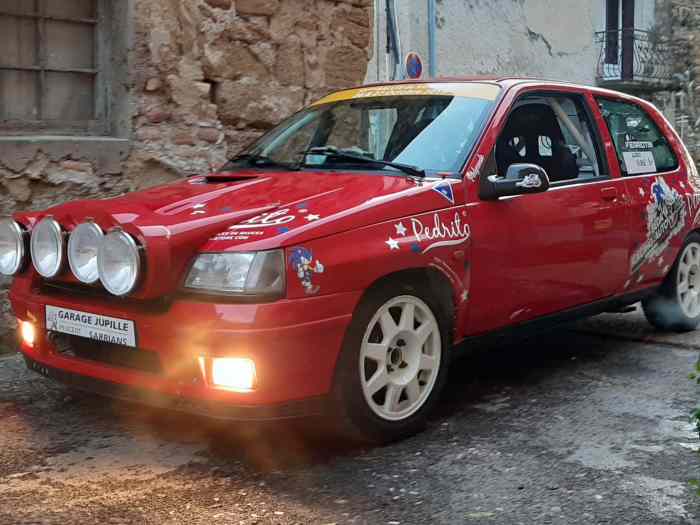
{"type": "Point", "coordinates": [238, 235]}
{"type": "Point", "coordinates": [445, 189]}
{"type": "Point", "coordinates": [439, 233]}
{"type": "Point", "coordinates": [666, 216]}
{"type": "Point", "coordinates": [530, 181]}
{"type": "Point", "coordinates": [92, 326]}
{"type": "Point", "coordinates": [426, 235]}
{"type": "Point", "coordinates": [638, 144]}
{"type": "Point", "coordinates": [265, 220]}
{"type": "Point", "coordinates": [301, 261]}
{"type": "Point", "coordinates": [199, 209]}
{"type": "Point", "coordinates": [473, 174]}
{"type": "Point", "coordinates": [473, 90]}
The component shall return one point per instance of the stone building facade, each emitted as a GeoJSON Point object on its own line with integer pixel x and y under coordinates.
{"type": "Point", "coordinates": [678, 21]}
{"type": "Point", "coordinates": [177, 87]}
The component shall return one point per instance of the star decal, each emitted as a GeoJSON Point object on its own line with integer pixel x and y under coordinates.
{"type": "Point", "coordinates": [392, 243]}
{"type": "Point", "coordinates": [312, 217]}
{"type": "Point", "coordinates": [400, 229]}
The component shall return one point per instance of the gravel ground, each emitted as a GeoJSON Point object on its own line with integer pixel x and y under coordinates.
{"type": "Point", "coordinates": [585, 425]}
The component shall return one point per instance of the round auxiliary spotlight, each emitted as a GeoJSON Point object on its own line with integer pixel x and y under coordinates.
{"type": "Point", "coordinates": [46, 247]}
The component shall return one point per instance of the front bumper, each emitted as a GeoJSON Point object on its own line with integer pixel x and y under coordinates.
{"type": "Point", "coordinates": [213, 409]}
{"type": "Point", "coordinates": [295, 345]}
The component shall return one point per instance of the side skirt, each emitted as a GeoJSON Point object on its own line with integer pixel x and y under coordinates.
{"type": "Point", "coordinates": [549, 322]}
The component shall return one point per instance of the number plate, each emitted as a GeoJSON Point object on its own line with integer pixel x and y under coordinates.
{"type": "Point", "coordinates": [91, 326]}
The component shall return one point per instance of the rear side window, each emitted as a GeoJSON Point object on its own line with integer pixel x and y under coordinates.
{"type": "Point", "coordinates": [641, 146]}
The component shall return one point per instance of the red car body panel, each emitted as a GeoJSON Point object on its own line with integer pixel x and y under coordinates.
{"type": "Point", "coordinates": [507, 261]}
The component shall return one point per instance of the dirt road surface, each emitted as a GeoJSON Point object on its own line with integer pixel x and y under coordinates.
{"type": "Point", "coordinates": [586, 425]}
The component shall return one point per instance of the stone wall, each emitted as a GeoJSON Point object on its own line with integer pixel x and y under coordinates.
{"type": "Point", "coordinates": [212, 75]}
{"type": "Point", "coordinates": [198, 79]}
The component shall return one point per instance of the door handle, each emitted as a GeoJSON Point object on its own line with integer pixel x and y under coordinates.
{"type": "Point", "coordinates": [609, 193]}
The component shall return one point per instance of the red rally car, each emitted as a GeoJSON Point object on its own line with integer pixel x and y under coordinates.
{"type": "Point", "coordinates": [333, 267]}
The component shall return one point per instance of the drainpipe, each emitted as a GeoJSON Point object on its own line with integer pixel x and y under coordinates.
{"type": "Point", "coordinates": [432, 29]}
{"type": "Point", "coordinates": [393, 41]}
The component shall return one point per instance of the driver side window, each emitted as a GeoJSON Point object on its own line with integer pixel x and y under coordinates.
{"type": "Point", "coordinates": [553, 132]}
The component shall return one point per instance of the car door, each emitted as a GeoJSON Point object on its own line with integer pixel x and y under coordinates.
{"type": "Point", "coordinates": [542, 253]}
{"type": "Point", "coordinates": [656, 187]}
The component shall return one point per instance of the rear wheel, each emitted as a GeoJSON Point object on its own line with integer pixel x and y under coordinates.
{"type": "Point", "coordinates": [676, 306]}
{"type": "Point", "coordinates": [393, 364]}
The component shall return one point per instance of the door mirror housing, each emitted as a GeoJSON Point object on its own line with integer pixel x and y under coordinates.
{"type": "Point", "coordinates": [520, 179]}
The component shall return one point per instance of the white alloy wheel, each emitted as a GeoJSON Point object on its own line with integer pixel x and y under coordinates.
{"type": "Point", "coordinates": [400, 358]}
{"type": "Point", "coordinates": [688, 280]}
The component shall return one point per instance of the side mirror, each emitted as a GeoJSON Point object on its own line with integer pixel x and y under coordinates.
{"type": "Point", "coordinates": [519, 180]}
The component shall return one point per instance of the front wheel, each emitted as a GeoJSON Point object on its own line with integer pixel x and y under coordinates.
{"type": "Point", "coordinates": [393, 364]}
{"type": "Point", "coordinates": [676, 306]}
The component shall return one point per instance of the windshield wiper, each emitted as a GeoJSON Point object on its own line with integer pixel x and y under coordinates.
{"type": "Point", "coordinates": [331, 151]}
{"type": "Point", "coordinates": [257, 161]}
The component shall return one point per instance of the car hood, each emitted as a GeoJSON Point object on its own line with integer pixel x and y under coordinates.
{"type": "Point", "coordinates": [248, 210]}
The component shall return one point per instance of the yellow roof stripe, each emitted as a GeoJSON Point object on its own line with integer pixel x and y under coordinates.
{"type": "Point", "coordinates": [454, 89]}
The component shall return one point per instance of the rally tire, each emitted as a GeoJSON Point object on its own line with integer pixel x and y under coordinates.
{"type": "Point", "coordinates": [399, 408]}
{"type": "Point", "coordinates": [675, 307]}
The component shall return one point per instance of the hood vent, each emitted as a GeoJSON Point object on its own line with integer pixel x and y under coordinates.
{"type": "Point", "coordinates": [229, 177]}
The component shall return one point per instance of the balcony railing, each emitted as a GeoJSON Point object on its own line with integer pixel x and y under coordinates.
{"type": "Point", "coordinates": [632, 59]}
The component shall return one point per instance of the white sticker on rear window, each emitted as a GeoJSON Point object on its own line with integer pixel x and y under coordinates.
{"type": "Point", "coordinates": [638, 162]}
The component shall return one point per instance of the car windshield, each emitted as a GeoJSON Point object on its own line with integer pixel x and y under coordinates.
{"type": "Point", "coordinates": [417, 129]}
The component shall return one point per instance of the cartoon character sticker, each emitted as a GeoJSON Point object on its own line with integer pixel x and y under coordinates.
{"type": "Point", "coordinates": [666, 217]}
{"type": "Point", "coordinates": [301, 260]}
{"type": "Point", "coordinates": [531, 180]}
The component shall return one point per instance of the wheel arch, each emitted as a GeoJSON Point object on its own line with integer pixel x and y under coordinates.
{"type": "Point", "coordinates": [432, 279]}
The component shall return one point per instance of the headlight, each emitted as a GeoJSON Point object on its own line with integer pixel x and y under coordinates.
{"type": "Point", "coordinates": [119, 262]}
{"type": "Point", "coordinates": [46, 246]}
{"type": "Point", "coordinates": [83, 246]}
{"type": "Point", "coordinates": [259, 274]}
{"type": "Point", "coordinates": [11, 247]}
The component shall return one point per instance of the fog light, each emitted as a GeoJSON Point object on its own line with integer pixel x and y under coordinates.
{"type": "Point", "coordinates": [28, 333]}
{"type": "Point", "coordinates": [234, 373]}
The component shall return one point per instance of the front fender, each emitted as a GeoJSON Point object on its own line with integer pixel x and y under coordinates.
{"type": "Point", "coordinates": [354, 260]}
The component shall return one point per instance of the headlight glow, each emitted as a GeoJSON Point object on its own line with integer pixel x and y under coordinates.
{"type": "Point", "coordinates": [27, 332]}
{"type": "Point", "coordinates": [83, 247]}
{"type": "Point", "coordinates": [234, 373]}
{"type": "Point", "coordinates": [11, 247]}
{"type": "Point", "coordinates": [46, 247]}
{"type": "Point", "coordinates": [119, 262]}
{"type": "Point", "coordinates": [257, 274]}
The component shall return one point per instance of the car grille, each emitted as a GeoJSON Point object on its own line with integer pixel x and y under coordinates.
{"type": "Point", "coordinates": [108, 353]}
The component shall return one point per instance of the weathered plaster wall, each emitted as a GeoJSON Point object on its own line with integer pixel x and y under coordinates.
{"type": "Point", "coordinates": [542, 38]}
{"type": "Point", "coordinates": [193, 81]}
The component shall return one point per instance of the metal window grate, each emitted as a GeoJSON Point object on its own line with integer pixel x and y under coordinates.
{"type": "Point", "coordinates": [49, 67]}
